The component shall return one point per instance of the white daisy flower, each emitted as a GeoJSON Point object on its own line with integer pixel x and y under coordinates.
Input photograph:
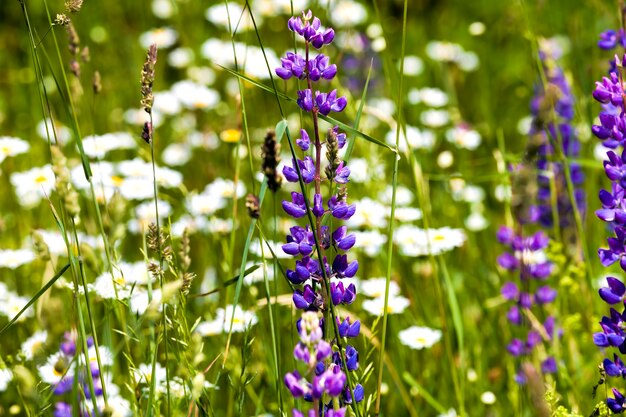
{"type": "Point", "coordinates": [407, 214]}
{"type": "Point", "coordinates": [376, 306]}
{"type": "Point", "coordinates": [136, 188]}
{"type": "Point", "coordinates": [476, 221]}
{"type": "Point", "coordinates": [32, 185]}
{"type": "Point", "coordinates": [375, 287]}
{"type": "Point", "coordinates": [413, 241]}
{"type": "Point", "coordinates": [464, 137]}
{"type": "Point", "coordinates": [250, 58]}
{"type": "Point", "coordinates": [222, 322]}
{"type": "Point", "coordinates": [34, 344]}
{"type": "Point", "coordinates": [145, 374]}
{"type": "Point", "coordinates": [163, 9]}
{"type": "Point", "coordinates": [369, 213]}
{"type": "Point", "coordinates": [433, 97]}
{"type": "Point", "coordinates": [13, 259]}
{"type": "Point", "coordinates": [163, 38]}
{"type": "Point", "coordinates": [413, 65]}
{"type": "Point", "coordinates": [140, 301]}
{"type": "Point", "coordinates": [125, 277]}
{"type": "Point", "coordinates": [46, 127]}
{"type": "Point", "coordinates": [445, 159]}
{"type": "Point", "coordinates": [476, 28]}
{"type": "Point", "coordinates": [370, 242]}
{"type": "Point", "coordinates": [417, 139]}
{"type": "Point", "coordinates": [404, 196]}
{"type": "Point", "coordinates": [166, 102]}
{"type": "Point", "coordinates": [180, 57]}
{"type": "Point", "coordinates": [195, 96]}
{"type": "Point", "coordinates": [417, 337]}
{"type": "Point", "coordinates": [225, 189]}
{"type": "Point", "coordinates": [10, 146]}
{"type": "Point", "coordinates": [57, 367]}
{"type": "Point", "coordinates": [488, 398]}
{"type": "Point", "coordinates": [13, 305]}
{"type": "Point", "coordinates": [6, 376]}
{"type": "Point", "coordinates": [96, 146]}
{"type": "Point", "coordinates": [231, 17]}
{"type": "Point", "coordinates": [271, 8]}
{"type": "Point", "coordinates": [359, 170]}
{"type": "Point", "coordinates": [219, 226]}
{"type": "Point", "coordinates": [205, 204]}
{"type": "Point", "coordinates": [435, 118]}
{"type": "Point", "coordinates": [176, 154]}
{"type": "Point", "coordinates": [347, 13]}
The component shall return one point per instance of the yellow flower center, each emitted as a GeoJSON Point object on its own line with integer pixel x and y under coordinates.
{"type": "Point", "coordinates": [230, 135]}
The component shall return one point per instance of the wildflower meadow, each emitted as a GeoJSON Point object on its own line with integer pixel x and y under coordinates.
{"type": "Point", "coordinates": [312, 208]}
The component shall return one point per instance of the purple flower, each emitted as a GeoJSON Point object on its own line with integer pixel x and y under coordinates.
{"type": "Point", "coordinates": [320, 68]}
{"type": "Point", "coordinates": [293, 65]}
{"type": "Point", "coordinates": [616, 250]}
{"type": "Point", "coordinates": [318, 205]}
{"type": "Point", "coordinates": [614, 293]}
{"type": "Point", "coordinates": [329, 102]}
{"type": "Point", "coordinates": [307, 169]}
{"type": "Point", "coordinates": [340, 209]}
{"type": "Point", "coordinates": [342, 268]}
{"type": "Point", "coordinates": [62, 409]}
{"type": "Point", "coordinates": [545, 295]}
{"type": "Point", "coordinates": [299, 242]}
{"type": "Point", "coordinates": [296, 208]}
{"type": "Point", "coordinates": [306, 299]}
{"type": "Point", "coordinates": [342, 174]}
{"type": "Point", "coordinates": [304, 141]}
{"type": "Point", "coordinates": [616, 404]}
{"type": "Point", "coordinates": [293, 381]}
{"type": "Point", "coordinates": [343, 241]}
{"type": "Point", "coordinates": [548, 366]}
{"type": "Point", "coordinates": [305, 100]}
{"type": "Point", "coordinates": [347, 329]}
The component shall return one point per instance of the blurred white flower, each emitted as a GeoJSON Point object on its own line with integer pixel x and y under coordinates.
{"type": "Point", "coordinates": [166, 102]}
{"type": "Point", "coordinates": [369, 213]}
{"type": "Point", "coordinates": [96, 146]}
{"type": "Point", "coordinates": [14, 258]}
{"type": "Point", "coordinates": [125, 277]}
{"type": "Point", "coordinates": [6, 376]}
{"type": "Point", "coordinates": [395, 305]}
{"type": "Point", "coordinates": [249, 58]}
{"type": "Point", "coordinates": [10, 146]}
{"type": "Point", "coordinates": [413, 241]}
{"type": "Point", "coordinates": [435, 118]}
{"type": "Point", "coordinates": [347, 13]}
{"type": "Point", "coordinates": [413, 65]}
{"type": "Point", "coordinates": [271, 8]}
{"type": "Point", "coordinates": [205, 204]}
{"type": "Point", "coordinates": [375, 287]}
{"type": "Point", "coordinates": [33, 185]}
{"type": "Point", "coordinates": [417, 139]}
{"type": "Point", "coordinates": [476, 28]}
{"type": "Point", "coordinates": [195, 96]}
{"type": "Point", "coordinates": [445, 159]}
{"type": "Point", "coordinates": [417, 337]}
{"type": "Point", "coordinates": [488, 398]}
{"type": "Point", "coordinates": [464, 137]}
{"type": "Point", "coordinates": [34, 344]}
{"type": "Point", "coordinates": [46, 127]}
{"type": "Point", "coordinates": [56, 368]}
{"type": "Point", "coordinates": [599, 152]}
{"type": "Point", "coordinates": [370, 242]}
{"type": "Point", "coordinates": [404, 196]}
{"type": "Point", "coordinates": [224, 188]}
{"type": "Point", "coordinates": [476, 221]}
{"type": "Point", "coordinates": [359, 169]}
{"type": "Point", "coordinates": [222, 322]}
{"type": "Point", "coordinates": [163, 9]}
{"type": "Point", "coordinates": [231, 16]}
{"type": "Point", "coordinates": [163, 37]}
{"type": "Point", "coordinates": [180, 57]}
{"type": "Point", "coordinates": [432, 97]}
{"type": "Point", "coordinates": [176, 154]}
{"type": "Point", "coordinates": [140, 300]}
{"type": "Point", "coordinates": [145, 374]}
{"type": "Point", "coordinates": [379, 44]}
{"type": "Point", "coordinates": [407, 214]}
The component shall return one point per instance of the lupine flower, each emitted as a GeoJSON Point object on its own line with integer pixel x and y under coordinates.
{"type": "Point", "coordinates": [553, 109]}
{"type": "Point", "coordinates": [321, 378]}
